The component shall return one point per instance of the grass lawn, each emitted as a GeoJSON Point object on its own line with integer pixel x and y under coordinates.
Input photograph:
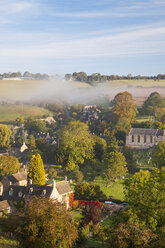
{"type": "Point", "coordinates": [9, 113]}
{"type": "Point", "coordinates": [8, 243]}
{"type": "Point", "coordinates": [115, 190]}
{"type": "Point", "coordinates": [144, 118]}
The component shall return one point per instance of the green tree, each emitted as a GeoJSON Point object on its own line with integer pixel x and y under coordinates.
{"type": "Point", "coordinates": [19, 120]}
{"type": "Point", "coordinates": [88, 191]}
{"type": "Point", "coordinates": [5, 134]}
{"type": "Point", "coordinates": [115, 167]}
{"type": "Point", "coordinates": [123, 106]}
{"type": "Point", "coordinates": [36, 171]}
{"type": "Point", "coordinates": [76, 142]}
{"type": "Point", "coordinates": [32, 142]}
{"type": "Point", "coordinates": [78, 176]}
{"type": "Point", "coordinates": [35, 126]}
{"type": "Point", "coordinates": [52, 173]}
{"type": "Point", "coordinates": [145, 193]}
{"type": "Point", "coordinates": [154, 101]}
{"type": "Point", "coordinates": [158, 154]}
{"type": "Point", "coordinates": [8, 165]}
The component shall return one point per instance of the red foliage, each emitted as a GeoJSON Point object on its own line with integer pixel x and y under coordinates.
{"type": "Point", "coordinates": [71, 199]}
{"type": "Point", "coordinates": [82, 203]}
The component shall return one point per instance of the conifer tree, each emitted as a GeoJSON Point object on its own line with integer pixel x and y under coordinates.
{"type": "Point", "coordinates": [36, 170]}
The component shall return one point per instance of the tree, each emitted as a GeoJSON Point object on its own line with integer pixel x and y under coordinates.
{"type": "Point", "coordinates": [115, 166]}
{"type": "Point", "coordinates": [5, 134]}
{"type": "Point", "coordinates": [131, 235]}
{"type": "Point", "coordinates": [32, 142]}
{"type": "Point", "coordinates": [76, 142]}
{"type": "Point", "coordinates": [88, 191]}
{"type": "Point", "coordinates": [78, 176]}
{"type": "Point", "coordinates": [52, 173]}
{"type": "Point", "coordinates": [36, 171]}
{"type": "Point", "coordinates": [145, 193]}
{"type": "Point", "coordinates": [123, 106]}
{"type": "Point", "coordinates": [44, 223]}
{"type": "Point", "coordinates": [35, 126]}
{"type": "Point", "coordinates": [158, 154]}
{"type": "Point", "coordinates": [99, 147]}
{"type": "Point", "coordinates": [19, 120]}
{"type": "Point", "coordinates": [131, 161]}
{"type": "Point", "coordinates": [8, 165]}
{"type": "Point", "coordinates": [154, 101]}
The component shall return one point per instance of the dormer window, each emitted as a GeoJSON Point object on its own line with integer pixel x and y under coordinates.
{"type": "Point", "coordinates": [31, 190]}
{"type": "Point", "coordinates": [11, 192]}
{"type": "Point", "coordinates": [20, 194]}
{"type": "Point", "coordinates": [44, 192]}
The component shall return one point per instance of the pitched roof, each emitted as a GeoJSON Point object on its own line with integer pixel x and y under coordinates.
{"type": "Point", "coordinates": [20, 176]}
{"type": "Point", "coordinates": [143, 131]}
{"type": "Point", "coordinates": [63, 187]}
{"type": "Point", "coordinates": [4, 205]}
{"type": "Point", "coordinates": [20, 192]}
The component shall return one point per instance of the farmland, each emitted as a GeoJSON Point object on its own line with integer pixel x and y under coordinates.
{"type": "Point", "coordinates": [8, 113]}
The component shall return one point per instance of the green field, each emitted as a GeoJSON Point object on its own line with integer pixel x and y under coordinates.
{"type": "Point", "coordinates": [144, 118]}
{"type": "Point", "coordinates": [115, 190]}
{"type": "Point", "coordinates": [8, 113]}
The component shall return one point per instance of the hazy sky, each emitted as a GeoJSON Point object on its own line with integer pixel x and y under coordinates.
{"type": "Point", "coordinates": [60, 36]}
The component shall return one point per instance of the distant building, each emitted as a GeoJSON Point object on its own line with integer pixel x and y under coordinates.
{"type": "Point", "coordinates": [144, 138]}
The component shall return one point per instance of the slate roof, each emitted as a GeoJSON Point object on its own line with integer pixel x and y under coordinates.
{"type": "Point", "coordinates": [143, 131]}
{"type": "Point", "coordinates": [4, 205]}
{"type": "Point", "coordinates": [63, 187]}
{"type": "Point", "coordinates": [20, 192]}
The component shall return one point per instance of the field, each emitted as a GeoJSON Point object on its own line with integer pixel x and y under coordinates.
{"type": "Point", "coordinates": [144, 118]}
{"type": "Point", "coordinates": [114, 190]}
{"type": "Point", "coordinates": [8, 113]}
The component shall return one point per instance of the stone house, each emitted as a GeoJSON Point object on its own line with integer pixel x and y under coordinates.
{"type": "Point", "coordinates": [16, 193]}
{"type": "Point", "coordinates": [144, 138]}
{"type": "Point", "coordinates": [19, 178]}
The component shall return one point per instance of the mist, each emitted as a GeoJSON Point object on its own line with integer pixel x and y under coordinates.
{"type": "Point", "coordinates": [69, 92]}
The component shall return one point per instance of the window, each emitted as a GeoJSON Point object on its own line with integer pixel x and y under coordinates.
{"type": "Point", "coordinates": [20, 194]}
{"type": "Point", "coordinates": [132, 138]}
{"type": "Point", "coordinates": [138, 139]}
{"type": "Point", "coordinates": [151, 139]}
{"type": "Point", "coordinates": [44, 192]}
{"type": "Point", "coordinates": [144, 138]}
{"type": "Point", "coordinates": [10, 192]}
{"type": "Point", "coordinates": [31, 190]}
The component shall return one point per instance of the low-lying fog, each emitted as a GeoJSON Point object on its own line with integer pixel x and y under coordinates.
{"type": "Point", "coordinates": [67, 91]}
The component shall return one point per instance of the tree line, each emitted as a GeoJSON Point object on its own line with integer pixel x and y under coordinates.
{"type": "Point", "coordinates": [97, 77]}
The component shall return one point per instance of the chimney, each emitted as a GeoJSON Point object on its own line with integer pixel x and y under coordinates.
{"type": "Point", "coordinates": [65, 178]}
{"type": "Point", "coordinates": [30, 182]}
{"type": "Point", "coordinates": [24, 168]}
{"type": "Point", "coordinates": [53, 183]}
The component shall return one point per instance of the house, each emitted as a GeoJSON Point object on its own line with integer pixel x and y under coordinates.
{"type": "Point", "coordinates": [144, 138]}
{"type": "Point", "coordinates": [19, 178]}
{"type": "Point", "coordinates": [16, 193]}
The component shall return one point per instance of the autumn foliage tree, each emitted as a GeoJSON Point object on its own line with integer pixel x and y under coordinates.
{"type": "Point", "coordinates": [123, 106]}
{"type": "Point", "coordinates": [36, 171]}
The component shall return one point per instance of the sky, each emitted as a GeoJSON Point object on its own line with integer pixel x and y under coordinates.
{"type": "Point", "coordinates": [64, 36]}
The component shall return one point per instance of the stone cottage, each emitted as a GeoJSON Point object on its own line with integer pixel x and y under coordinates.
{"type": "Point", "coordinates": [14, 194]}
{"type": "Point", "coordinates": [144, 138]}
